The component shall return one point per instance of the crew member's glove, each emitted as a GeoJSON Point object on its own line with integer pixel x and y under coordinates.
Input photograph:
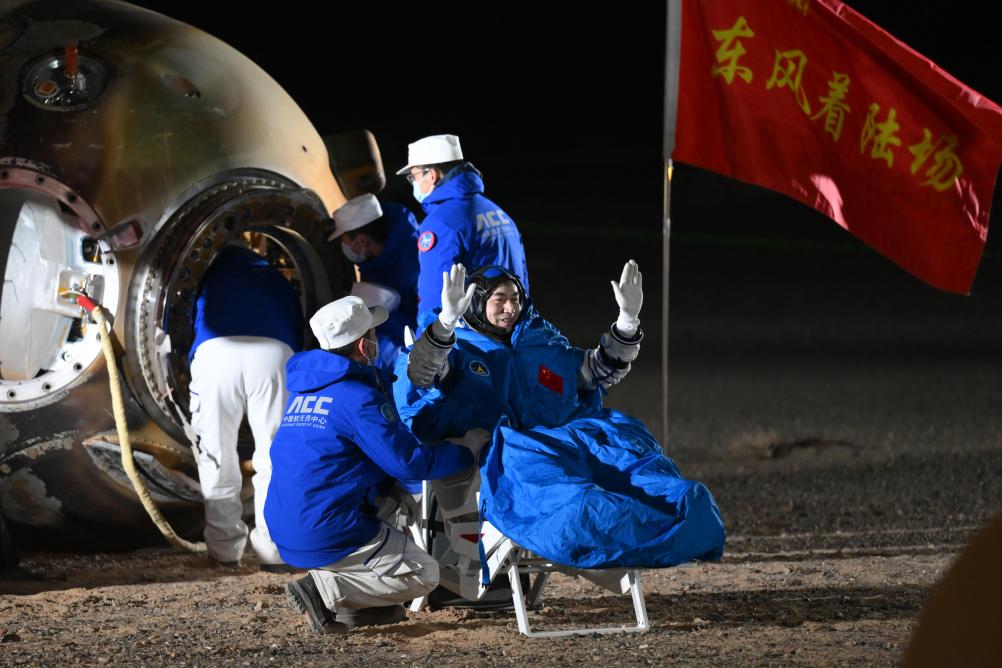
{"type": "Point", "coordinates": [630, 297]}
{"type": "Point", "coordinates": [455, 298]}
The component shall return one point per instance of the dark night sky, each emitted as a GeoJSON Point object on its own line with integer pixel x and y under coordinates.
{"type": "Point", "coordinates": [565, 78]}
{"type": "Point", "coordinates": [551, 101]}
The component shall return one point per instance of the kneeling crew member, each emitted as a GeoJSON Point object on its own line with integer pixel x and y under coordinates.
{"type": "Point", "coordinates": [341, 442]}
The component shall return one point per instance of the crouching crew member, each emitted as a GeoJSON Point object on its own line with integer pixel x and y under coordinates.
{"type": "Point", "coordinates": [340, 443]}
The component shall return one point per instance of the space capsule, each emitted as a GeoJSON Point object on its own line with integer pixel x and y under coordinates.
{"type": "Point", "coordinates": [132, 149]}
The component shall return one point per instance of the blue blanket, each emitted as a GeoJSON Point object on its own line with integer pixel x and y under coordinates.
{"type": "Point", "coordinates": [597, 493]}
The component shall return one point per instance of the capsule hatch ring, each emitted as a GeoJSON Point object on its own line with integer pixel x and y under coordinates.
{"type": "Point", "coordinates": [260, 213]}
{"type": "Point", "coordinates": [50, 249]}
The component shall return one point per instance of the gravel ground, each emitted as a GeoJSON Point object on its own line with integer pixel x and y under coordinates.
{"type": "Point", "coordinates": [161, 607]}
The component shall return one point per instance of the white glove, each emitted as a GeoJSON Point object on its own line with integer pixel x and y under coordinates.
{"type": "Point", "coordinates": [630, 297]}
{"type": "Point", "coordinates": [474, 440]}
{"type": "Point", "coordinates": [455, 298]}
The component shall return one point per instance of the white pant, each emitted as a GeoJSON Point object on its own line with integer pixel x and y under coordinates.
{"type": "Point", "coordinates": [388, 569]}
{"type": "Point", "coordinates": [231, 374]}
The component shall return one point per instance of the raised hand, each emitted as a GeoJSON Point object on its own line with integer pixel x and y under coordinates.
{"type": "Point", "coordinates": [456, 297]}
{"type": "Point", "coordinates": [630, 297]}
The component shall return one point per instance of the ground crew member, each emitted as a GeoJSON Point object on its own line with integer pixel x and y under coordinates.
{"type": "Point", "coordinates": [462, 225]}
{"type": "Point", "coordinates": [381, 239]}
{"type": "Point", "coordinates": [248, 323]}
{"type": "Point", "coordinates": [340, 445]}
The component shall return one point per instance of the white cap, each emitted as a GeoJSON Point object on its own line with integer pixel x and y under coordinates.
{"type": "Point", "coordinates": [432, 150]}
{"type": "Point", "coordinates": [345, 320]}
{"type": "Point", "coordinates": [377, 294]}
{"type": "Point", "coordinates": [355, 213]}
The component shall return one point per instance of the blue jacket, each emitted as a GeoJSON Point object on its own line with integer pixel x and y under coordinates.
{"type": "Point", "coordinates": [339, 441]}
{"type": "Point", "coordinates": [572, 481]}
{"type": "Point", "coordinates": [464, 226]}
{"type": "Point", "coordinates": [396, 267]}
{"type": "Point", "coordinates": [243, 295]}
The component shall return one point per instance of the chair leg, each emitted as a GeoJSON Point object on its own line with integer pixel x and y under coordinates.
{"type": "Point", "coordinates": [422, 536]}
{"type": "Point", "coordinates": [532, 598]}
{"type": "Point", "coordinates": [522, 614]}
{"type": "Point", "coordinates": [639, 606]}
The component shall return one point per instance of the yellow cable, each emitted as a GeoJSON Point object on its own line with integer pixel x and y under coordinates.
{"type": "Point", "coordinates": [123, 439]}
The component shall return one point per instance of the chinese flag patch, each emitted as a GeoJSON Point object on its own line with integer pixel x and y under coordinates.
{"type": "Point", "coordinates": [426, 241]}
{"type": "Point", "coordinates": [550, 380]}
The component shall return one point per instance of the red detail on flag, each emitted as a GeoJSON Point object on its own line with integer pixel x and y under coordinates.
{"type": "Point", "coordinates": [814, 101]}
{"type": "Point", "coordinates": [472, 537]}
{"type": "Point", "coordinates": [550, 380]}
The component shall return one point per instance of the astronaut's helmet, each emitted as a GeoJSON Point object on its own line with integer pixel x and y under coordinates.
{"type": "Point", "coordinates": [487, 279]}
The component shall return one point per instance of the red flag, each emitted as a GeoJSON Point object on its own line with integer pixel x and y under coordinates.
{"type": "Point", "coordinates": [809, 98]}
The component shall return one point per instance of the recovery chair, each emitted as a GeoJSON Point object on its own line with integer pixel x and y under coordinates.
{"type": "Point", "coordinates": [478, 553]}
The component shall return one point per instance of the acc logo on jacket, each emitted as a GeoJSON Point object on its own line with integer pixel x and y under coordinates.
{"type": "Point", "coordinates": [310, 403]}
{"type": "Point", "coordinates": [388, 412]}
{"type": "Point", "coordinates": [426, 241]}
{"type": "Point", "coordinates": [479, 368]}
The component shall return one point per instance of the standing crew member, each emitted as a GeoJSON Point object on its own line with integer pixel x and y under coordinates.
{"type": "Point", "coordinates": [248, 323]}
{"type": "Point", "coordinates": [462, 225]}
{"type": "Point", "coordinates": [381, 241]}
{"type": "Point", "coordinates": [340, 445]}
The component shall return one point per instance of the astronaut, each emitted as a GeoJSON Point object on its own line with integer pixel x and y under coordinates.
{"type": "Point", "coordinates": [565, 477]}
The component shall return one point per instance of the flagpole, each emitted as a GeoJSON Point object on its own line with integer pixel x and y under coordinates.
{"type": "Point", "coordinates": [665, 247]}
{"type": "Point", "coordinates": [673, 32]}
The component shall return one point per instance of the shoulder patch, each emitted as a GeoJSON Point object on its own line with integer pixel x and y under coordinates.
{"type": "Point", "coordinates": [388, 412]}
{"type": "Point", "coordinates": [426, 241]}
{"type": "Point", "coordinates": [479, 368]}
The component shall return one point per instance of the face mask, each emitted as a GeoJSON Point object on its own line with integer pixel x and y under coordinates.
{"type": "Point", "coordinates": [353, 257]}
{"type": "Point", "coordinates": [418, 195]}
{"type": "Point", "coordinates": [375, 352]}
{"type": "Point", "coordinates": [372, 362]}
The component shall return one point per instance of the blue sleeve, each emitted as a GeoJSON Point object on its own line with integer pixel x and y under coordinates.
{"type": "Point", "coordinates": [433, 262]}
{"type": "Point", "coordinates": [425, 411]}
{"type": "Point", "coordinates": [389, 444]}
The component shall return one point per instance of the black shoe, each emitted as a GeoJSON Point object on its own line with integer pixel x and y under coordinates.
{"type": "Point", "coordinates": [305, 598]}
{"type": "Point", "coordinates": [498, 599]}
{"type": "Point", "coordinates": [378, 616]}
{"type": "Point", "coordinates": [279, 568]}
